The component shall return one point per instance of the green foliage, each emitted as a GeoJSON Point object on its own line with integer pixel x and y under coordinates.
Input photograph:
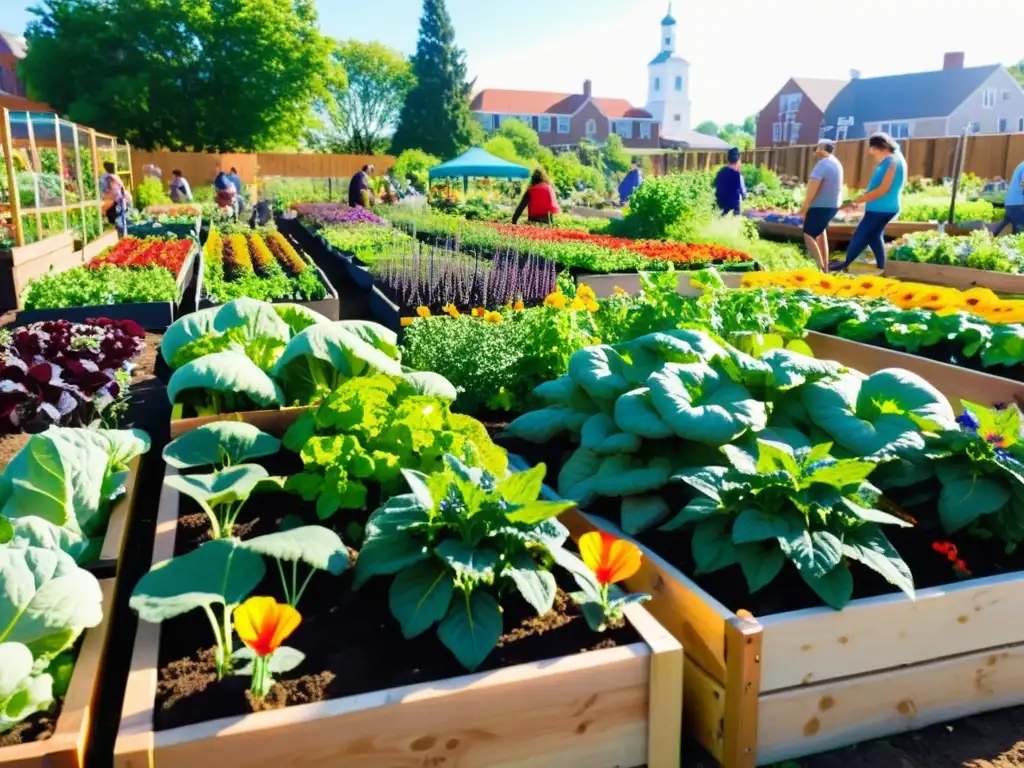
{"type": "Point", "coordinates": [46, 601]}
{"type": "Point", "coordinates": [436, 116]}
{"type": "Point", "coordinates": [978, 250]}
{"type": "Point", "coordinates": [204, 76]}
{"type": "Point", "coordinates": [87, 287]}
{"type": "Point", "coordinates": [616, 158]}
{"type": "Point", "coordinates": [367, 101]}
{"type": "Point", "coordinates": [501, 147]}
{"type": "Point", "coordinates": [220, 444]}
{"type": "Point", "coordinates": [930, 208]}
{"type": "Point", "coordinates": [460, 542]}
{"type": "Point", "coordinates": [755, 176]}
{"type": "Point", "coordinates": [369, 429]}
{"type": "Point", "coordinates": [525, 141]}
{"type": "Point", "coordinates": [708, 128]}
{"type": "Point", "coordinates": [676, 204]}
{"type": "Point", "coordinates": [58, 491]}
{"type": "Point", "coordinates": [415, 164]}
{"type": "Point", "coordinates": [150, 192]}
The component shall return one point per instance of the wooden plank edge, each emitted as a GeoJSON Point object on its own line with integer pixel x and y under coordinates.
{"type": "Point", "coordinates": [962, 278]}
{"type": "Point", "coordinates": [818, 718]}
{"type": "Point", "coordinates": [274, 422]}
{"type": "Point", "coordinates": [704, 709]}
{"type": "Point", "coordinates": [743, 638]}
{"type": "Point", "coordinates": [665, 697]}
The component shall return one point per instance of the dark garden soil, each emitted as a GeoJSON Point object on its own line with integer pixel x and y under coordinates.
{"type": "Point", "coordinates": [38, 727]}
{"type": "Point", "coordinates": [352, 643]}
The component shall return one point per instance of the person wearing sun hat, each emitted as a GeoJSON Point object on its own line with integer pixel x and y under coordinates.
{"type": "Point", "coordinates": [822, 201]}
{"type": "Point", "coordinates": [881, 200]}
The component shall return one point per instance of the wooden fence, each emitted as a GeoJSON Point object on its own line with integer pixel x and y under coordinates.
{"type": "Point", "coordinates": [200, 168]}
{"type": "Point", "coordinates": [988, 156]}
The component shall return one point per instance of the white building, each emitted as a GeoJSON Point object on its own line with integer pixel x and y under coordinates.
{"type": "Point", "coordinates": [668, 86]}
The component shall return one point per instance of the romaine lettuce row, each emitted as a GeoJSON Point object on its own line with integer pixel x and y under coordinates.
{"type": "Point", "coordinates": [58, 491]}
{"type": "Point", "coordinates": [371, 428]}
{"type": "Point", "coordinates": [457, 545]}
{"type": "Point", "coordinates": [775, 503]}
{"type": "Point", "coordinates": [46, 601]}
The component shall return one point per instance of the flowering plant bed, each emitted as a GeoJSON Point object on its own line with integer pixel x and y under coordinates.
{"type": "Point", "coordinates": [323, 214]}
{"type": "Point", "coordinates": [609, 706]}
{"type": "Point", "coordinates": [140, 280]}
{"type": "Point", "coordinates": [265, 266]}
{"type": "Point", "coordinates": [974, 260]}
{"type": "Point", "coordinates": [68, 374]}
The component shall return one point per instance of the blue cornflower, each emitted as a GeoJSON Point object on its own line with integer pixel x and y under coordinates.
{"type": "Point", "coordinates": [968, 421]}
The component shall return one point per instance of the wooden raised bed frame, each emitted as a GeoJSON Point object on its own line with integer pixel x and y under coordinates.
{"type": "Point", "coordinates": [601, 709]}
{"type": "Point", "coordinates": [963, 278]}
{"type": "Point", "coordinates": [763, 690]}
{"type": "Point", "coordinates": [66, 747]}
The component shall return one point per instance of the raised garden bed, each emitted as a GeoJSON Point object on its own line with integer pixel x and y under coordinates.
{"type": "Point", "coordinates": [275, 422]}
{"type": "Point", "coordinates": [20, 264]}
{"type": "Point", "coordinates": [66, 746]}
{"type": "Point", "coordinates": [152, 315]}
{"type": "Point", "coordinates": [963, 278]}
{"type": "Point", "coordinates": [613, 706]}
{"type": "Point", "coordinates": [605, 285]}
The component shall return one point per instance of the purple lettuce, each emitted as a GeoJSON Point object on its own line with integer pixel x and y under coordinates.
{"type": "Point", "coordinates": [323, 214]}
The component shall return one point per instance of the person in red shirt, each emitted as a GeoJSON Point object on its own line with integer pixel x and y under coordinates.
{"type": "Point", "coordinates": [540, 201]}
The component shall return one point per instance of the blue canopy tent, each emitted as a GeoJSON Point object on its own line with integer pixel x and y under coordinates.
{"type": "Point", "coordinates": [477, 162]}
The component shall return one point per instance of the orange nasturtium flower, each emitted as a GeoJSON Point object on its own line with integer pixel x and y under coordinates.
{"type": "Point", "coordinates": [492, 317]}
{"type": "Point", "coordinates": [556, 299]}
{"type": "Point", "coordinates": [610, 559]}
{"type": "Point", "coordinates": [422, 311]}
{"type": "Point", "coordinates": [407, 321]}
{"type": "Point", "coordinates": [578, 304]}
{"type": "Point", "coordinates": [451, 310]}
{"type": "Point", "coordinates": [478, 312]}
{"type": "Point", "coordinates": [264, 624]}
{"type": "Point", "coordinates": [519, 305]}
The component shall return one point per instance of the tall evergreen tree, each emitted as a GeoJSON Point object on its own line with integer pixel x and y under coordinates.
{"type": "Point", "coordinates": [436, 116]}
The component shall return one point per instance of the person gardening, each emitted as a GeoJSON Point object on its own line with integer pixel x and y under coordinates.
{"type": "Point", "coordinates": [540, 201]}
{"type": "Point", "coordinates": [630, 182]}
{"type": "Point", "coordinates": [360, 193]}
{"type": "Point", "coordinates": [1013, 213]}
{"type": "Point", "coordinates": [729, 186]}
{"type": "Point", "coordinates": [181, 192]}
{"type": "Point", "coordinates": [239, 201]}
{"type": "Point", "coordinates": [822, 201]}
{"type": "Point", "coordinates": [116, 199]}
{"type": "Point", "coordinates": [881, 200]}
{"type": "Point", "coordinates": [225, 192]}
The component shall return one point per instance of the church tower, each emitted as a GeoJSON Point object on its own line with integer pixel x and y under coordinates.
{"type": "Point", "coordinates": [668, 84]}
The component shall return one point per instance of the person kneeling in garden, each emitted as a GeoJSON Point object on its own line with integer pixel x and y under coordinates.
{"type": "Point", "coordinates": [540, 201]}
{"type": "Point", "coordinates": [881, 200]}
{"type": "Point", "coordinates": [821, 204]}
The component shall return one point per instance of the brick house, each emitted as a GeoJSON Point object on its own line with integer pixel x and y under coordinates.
{"type": "Point", "coordinates": [796, 111]}
{"type": "Point", "coordinates": [564, 119]}
{"type": "Point", "coordinates": [12, 50]}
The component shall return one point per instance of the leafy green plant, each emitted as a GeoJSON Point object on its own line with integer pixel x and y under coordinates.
{"type": "Point", "coordinates": [88, 287]}
{"type": "Point", "coordinates": [677, 203]}
{"type": "Point", "coordinates": [221, 495]}
{"type": "Point", "coordinates": [58, 491]}
{"type": "Point", "coordinates": [457, 545]}
{"type": "Point", "coordinates": [220, 444]}
{"type": "Point", "coordinates": [786, 500]}
{"type": "Point", "coordinates": [371, 428]}
{"type": "Point", "coordinates": [46, 601]}
{"type": "Point", "coordinates": [149, 192]}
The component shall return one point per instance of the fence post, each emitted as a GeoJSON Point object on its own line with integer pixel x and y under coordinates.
{"type": "Point", "coordinates": [96, 171]}
{"type": "Point", "coordinates": [12, 178]}
{"type": "Point", "coordinates": [60, 169]}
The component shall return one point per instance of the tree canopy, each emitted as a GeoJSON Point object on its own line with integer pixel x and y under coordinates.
{"type": "Point", "coordinates": [708, 128]}
{"type": "Point", "coordinates": [1017, 70]}
{"type": "Point", "coordinates": [365, 103]}
{"type": "Point", "coordinates": [202, 75]}
{"type": "Point", "coordinates": [436, 116]}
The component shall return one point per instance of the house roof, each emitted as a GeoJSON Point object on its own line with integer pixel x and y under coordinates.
{"type": "Point", "coordinates": [507, 102]}
{"type": "Point", "coordinates": [15, 43]}
{"type": "Point", "coordinates": [694, 140]}
{"type": "Point", "coordinates": [820, 91]}
{"type": "Point", "coordinates": [668, 21]}
{"type": "Point", "coordinates": [908, 97]}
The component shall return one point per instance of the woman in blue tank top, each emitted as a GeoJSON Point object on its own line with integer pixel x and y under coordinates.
{"type": "Point", "coordinates": [881, 200]}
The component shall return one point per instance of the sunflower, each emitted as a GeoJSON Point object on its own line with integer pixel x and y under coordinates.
{"type": "Point", "coordinates": [867, 287]}
{"type": "Point", "coordinates": [422, 311]}
{"type": "Point", "coordinates": [936, 299]}
{"type": "Point", "coordinates": [905, 298]}
{"type": "Point", "coordinates": [556, 299]}
{"type": "Point", "coordinates": [801, 278]}
{"type": "Point", "coordinates": [978, 299]}
{"type": "Point", "coordinates": [825, 284]}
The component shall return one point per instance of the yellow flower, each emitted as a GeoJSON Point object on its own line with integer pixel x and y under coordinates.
{"type": "Point", "coordinates": [478, 312]}
{"type": "Point", "coordinates": [519, 305]}
{"type": "Point", "coordinates": [450, 310]}
{"type": "Point", "coordinates": [556, 299]}
{"type": "Point", "coordinates": [826, 285]}
{"type": "Point", "coordinates": [591, 305]}
{"type": "Point", "coordinates": [492, 317]}
{"type": "Point", "coordinates": [422, 311]}
{"type": "Point", "coordinates": [407, 321]}
{"type": "Point", "coordinates": [801, 278]}
{"type": "Point", "coordinates": [264, 624]}
{"type": "Point", "coordinates": [867, 287]}
{"type": "Point", "coordinates": [578, 304]}
{"type": "Point", "coordinates": [595, 339]}
{"type": "Point", "coordinates": [936, 299]}
{"type": "Point", "coordinates": [978, 299]}
{"type": "Point", "coordinates": [620, 292]}
{"type": "Point", "coordinates": [585, 292]}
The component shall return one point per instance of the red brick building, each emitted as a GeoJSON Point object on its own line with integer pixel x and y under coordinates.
{"type": "Point", "coordinates": [12, 50]}
{"type": "Point", "coordinates": [794, 114]}
{"type": "Point", "coordinates": [564, 119]}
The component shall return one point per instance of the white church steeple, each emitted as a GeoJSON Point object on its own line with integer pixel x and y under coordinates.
{"type": "Point", "coordinates": [668, 87]}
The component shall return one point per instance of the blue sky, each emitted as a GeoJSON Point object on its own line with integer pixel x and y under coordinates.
{"type": "Point", "coordinates": [740, 52]}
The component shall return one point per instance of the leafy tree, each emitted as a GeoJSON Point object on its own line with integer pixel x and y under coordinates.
{"type": "Point", "coordinates": [436, 116]}
{"type": "Point", "coordinates": [616, 158]}
{"type": "Point", "coordinates": [205, 75]}
{"type": "Point", "coordinates": [415, 164]}
{"type": "Point", "coordinates": [1017, 70]}
{"type": "Point", "coordinates": [366, 103]}
{"type": "Point", "coordinates": [503, 147]}
{"type": "Point", "coordinates": [708, 128]}
{"type": "Point", "coordinates": [750, 125]}
{"type": "Point", "coordinates": [744, 141]}
{"type": "Point", "coordinates": [522, 136]}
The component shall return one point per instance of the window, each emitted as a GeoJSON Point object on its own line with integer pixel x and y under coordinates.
{"type": "Point", "coordinates": [624, 128]}
{"type": "Point", "coordinates": [657, 83]}
{"type": "Point", "coordinates": [668, 41]}
{"type": "Point", "coordinates": [988, 98]}
{"type": "Point", "coordinates": [487, 121]}
{"type": "Point", "coordinates": [975, 127]}
{"type": "Point", "coordinates": [776, 132]}
{"type": "Point", "coordinates": [896, 130]}
{"type": "Point", "coordinates": [679, 83]}
{"type": "Point", "coordinates": [645, 129]}
{"type": "Point", "coordinates": [1002, 124]}
{"type": "Point", "coordinates": [794, 132]}
{"type": "Point", "coordinates": [563, 124]}
{"type": "Point", "coordinates": [790, 102]}
{"type": "Point", "coordinates": [591, 128]}
{"type": "Point", "coordinates": [1006, 95]}
{"type": "Point", "coordinates": [527, 120]}
{"type": "Point", "coordinates": [544, 124]}
{"type": "Point", "coordinates": [841, 132]}
{"type": "Point", "coordinates": [677, 118]}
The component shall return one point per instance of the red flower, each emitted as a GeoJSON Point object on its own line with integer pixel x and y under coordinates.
{"type": "Point", "coordinates": [961, 568]}
{"type": "Point", "coordinates": [152, 252]}
{"type": "Point", "coordinates": [947, 549]}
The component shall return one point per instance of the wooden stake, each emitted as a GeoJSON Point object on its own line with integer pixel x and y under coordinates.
{"type": "Point", "coordinates": [60, 170]}
{"type": "Point", "coordinates": [743, 638]}
{"type": "Point", "coordinates": [12, 179]}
